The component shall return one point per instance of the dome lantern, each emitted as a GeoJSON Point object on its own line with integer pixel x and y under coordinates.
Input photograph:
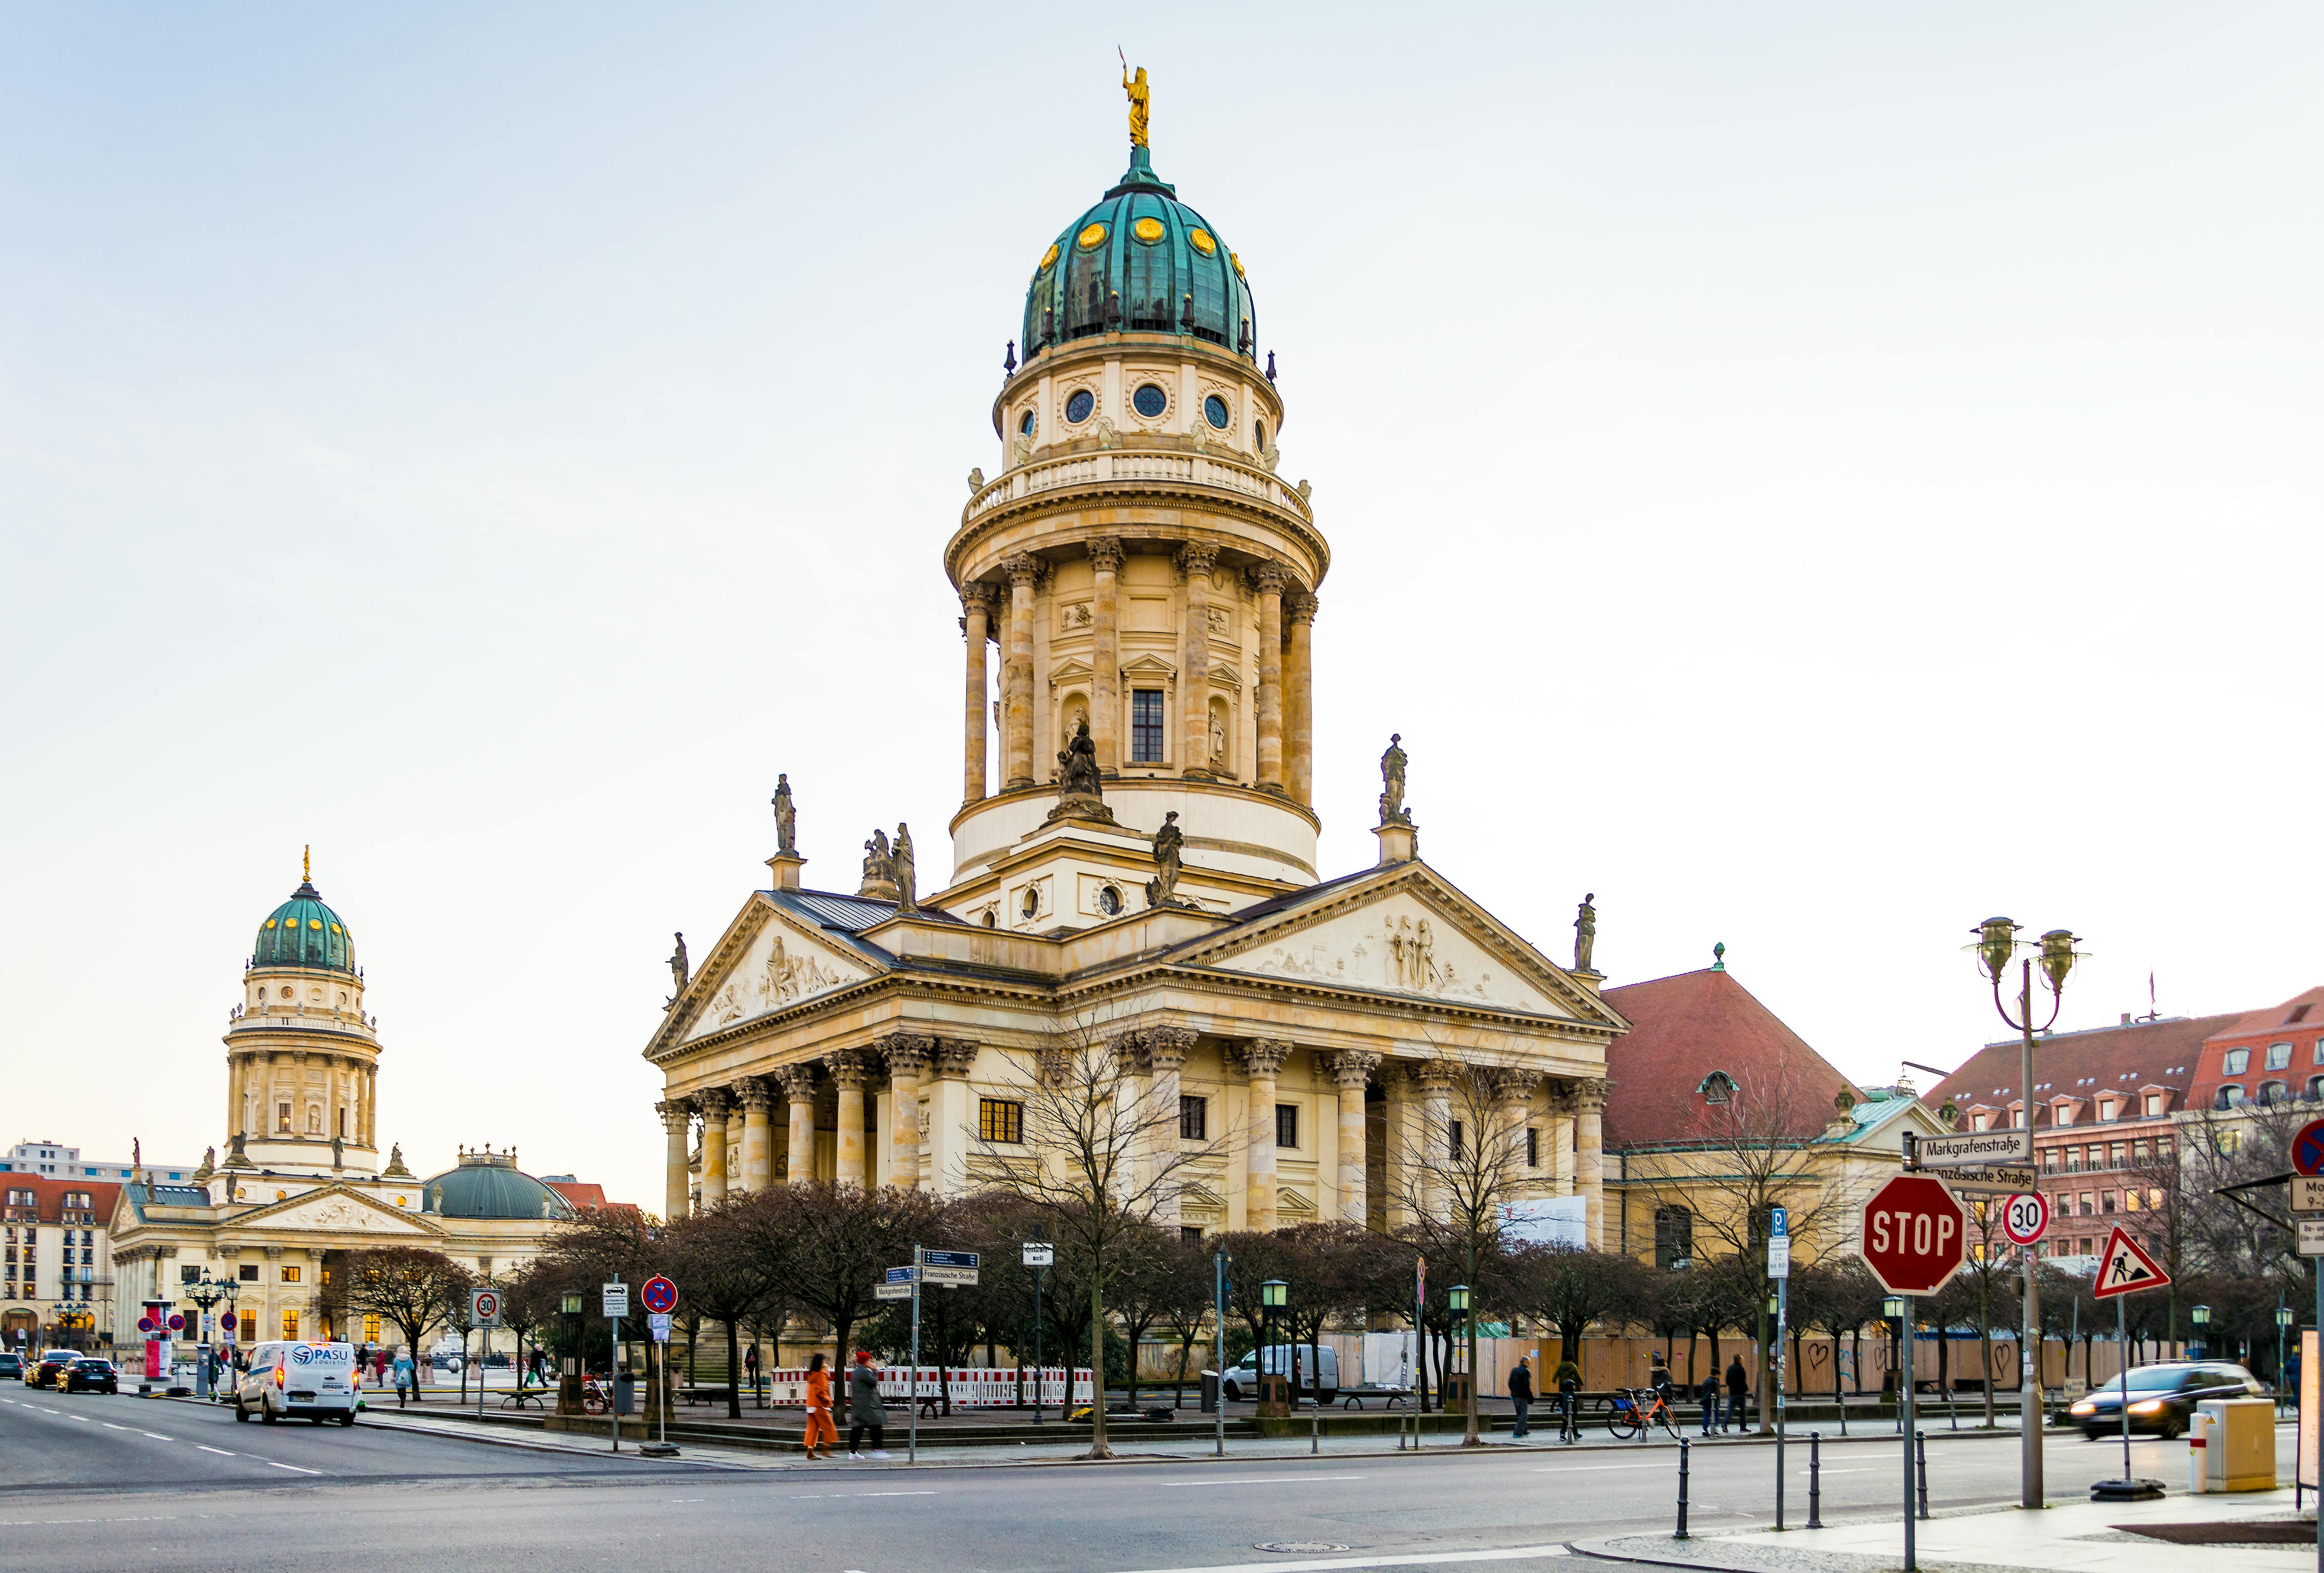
{"type": "Point", "coordinates": [304, 932]}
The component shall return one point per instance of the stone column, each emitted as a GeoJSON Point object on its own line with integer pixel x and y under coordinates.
{"type": "Point", "coordinates": [1517, 1090]}
{"type": "Point", "coordinates": [1267, 579]}
{"type": "Point", "coordinates": [1105, 656]}
{"type": "Point", "coordinates": [976, 618]}
{"type": "Point", "coordinates": [1196, 557]}
{"type": "Point", "coordinates": [677, 1187]}
{"type": "Point", "coordinates": [1262, 1059]}
{"type": "Point", "coordinates": [798, 1083]}
{"type": "Point", "coordinates": [758, 1139]}
{"type": "Point", "coordinates": [1433, 1081]}
{"type": "Point", "coordinates": [1352, 1069]}
{"type": "Point", "coordinates": [950, 1133]}
{"type": "Point", "coordinates": [1299, 696]}
{"type": "Point", "coordinates": [714, 1106]}
{"type": "Point", "coordinates": [908, 1059]}
{"type": "Point", "coordinates": [232, 1093]}
{"type": "Point", "coordinates": [1166, 1048]}
{"type": "Point", "coordinates": [1559, 1134]}
{"type": "Point", "coordinates": [1589, 1154]}
{"type": "Point", "coordinates": [1017, 675]}
{"type": "Point", "coordinates": [853, 1075]}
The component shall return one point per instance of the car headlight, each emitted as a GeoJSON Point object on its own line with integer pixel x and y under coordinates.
{"type": "Point", "coordinates": [2085, 1407]}
{"type": "Point", "coordinates": [2152, 1406]}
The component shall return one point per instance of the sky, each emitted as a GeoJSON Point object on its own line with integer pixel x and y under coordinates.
{"type": "Point", "coordinates": [1813, 476]}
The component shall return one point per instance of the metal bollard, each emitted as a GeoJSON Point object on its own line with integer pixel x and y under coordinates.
{"type": "Point", "coordinates": [1314, 1426]}
{"type": "Point", "coordinates": [1682, 1446]}
{"type": "Point", "coordinates": [1815, 1480]}
{"type": "Point", "coordinates": [1921, 1470]}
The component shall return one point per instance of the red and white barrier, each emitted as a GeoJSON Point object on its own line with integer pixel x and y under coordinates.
{"type": "Point", "coordinates": [970, 1386]}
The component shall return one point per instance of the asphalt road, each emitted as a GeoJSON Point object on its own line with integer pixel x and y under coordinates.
{"type": "Point", "coordinates": [95, 1482]}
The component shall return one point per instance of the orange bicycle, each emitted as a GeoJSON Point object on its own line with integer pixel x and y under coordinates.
{"type": "Point", "coordinates": [1637, 1409]}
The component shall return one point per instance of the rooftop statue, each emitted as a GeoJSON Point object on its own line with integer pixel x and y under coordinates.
{"type": "Point", "coordinates": [1138, 100]}
{"type": "Point", "coordinates": [1585, 932]}
{"type": "Point", "coordinates": [1391, 801]}
{"type": "Point", "coordinates": [1077, 772]}
{"type": "Point", "coordinates": [901, 869]}
{"type": "Point", "coordinates": [677, 968]}
{"type": "Point", "coordinates": [786, 819]}
{"type": "Point", "coordinates": [879, 871]}
{"type": "Point", "coordinates": [1162, 890]}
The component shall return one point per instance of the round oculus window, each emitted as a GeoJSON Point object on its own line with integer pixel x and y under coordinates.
{"type": "Point", "coordinates": [1032, 906]}
{"type": "Point", "coordinates": [1258, 434]}
{"type": "Point", "coordinates": [1091, 237]}
{"type": "Point", "coordinates": [1025, 426]}
{"type": "Point", "coordinates": [1214, 410]}
{"type": "Point", "coordinates": [1149, 230]}
{"type": "Point", "coordinates": [1079, 406]}
{"type": "Point", "coordinates": [1202, 242]}
{"type": "Point", "coordinates": [1108, 900]}
{"type": "Point", "coordinates": [1149, 400]}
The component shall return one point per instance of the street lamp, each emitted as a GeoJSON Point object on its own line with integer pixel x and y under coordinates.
{"type": "Point", "coordinates": [568, 1377]}
{"type": "Point", "coordinates": [1996, 943]}
{"type": "Point", "coordinates": [1273, 1295]}
{"type": "Point", "coordinates": [204, 1291]}
{"type": "Point", "coordinates": [2202, 1317]}
{"type": "Point", "coordinates": [2284, 1316]}
{"type": "Point", "coordinates": [1457, 1298]}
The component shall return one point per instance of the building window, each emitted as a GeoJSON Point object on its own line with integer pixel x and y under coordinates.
{"type": "Point", "coordinates": [1533, 1147]}
{"type": "Point", "coordinates": [2114, 1156]}
{"type": "Point", "coordinates": [290, 1324]}
{"type": "Point", "coordinates": [2229, 1096]}
{"type": "Point", "coordinates": [1673, 1237]}
{"type": "Point", "coordinates": [2074, 1160]}
{"type": "Point", "coordinates": [1287, 1124]}
{"type": "Point", "coordinates": [999, 1120]}
{"type": "Point", "coordinates": [249, 1273]}
{"type": "Point", "coordinates": [2315, 1088]}
{"type": "Point", "coordinates": [190, 1275]}
{"type": "Point", "coordinates": [2049, 1160]}
{"type": "Point", "coordinates": [2016, 1117]}
{"type": "Point", "coordinates": [1146, 726]}
{"type": "Point", "coordinates": [1194, 1117]}
{"type": "Point", "coordinates": [2086, 1210]}
{"type": "Point", "coordinates": [2279, 1056]}
{"type": "Point", "coordinates": [1453, 1142]}
{"type": "Point", "coordinates": [371, 1329]}
{"type": "Point", "coordinates": [290, 1274]}
{"type": "Point", "coordinates": [2130, 1201]}
{"type": "Point", "coordinates": [2273, 1092]}
{"type": "Point", "coordinates": [1190, 1234]}
{"type": "Point", "coordinates": [343, 1123]}
{"type": "Point", "coordinates": [2237, 1060]}
{"type": "Point", "coordinates": [2106, 1202]}
{"type": "Point", "coordinates": [2153, 1105]}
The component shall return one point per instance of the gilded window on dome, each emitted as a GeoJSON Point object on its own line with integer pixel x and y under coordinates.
{"type": "Point", "coordinates": [1092, 237]}
{"type": "Point", "coordinates": [1149, 230]}
{"type": "Point", "coordinates": [1200, 239]}
{"type": "Point", "coordinates": [1048, 259]}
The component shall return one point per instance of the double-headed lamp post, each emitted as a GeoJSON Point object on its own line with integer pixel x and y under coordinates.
{"type": "Point", "coordinates": [1273, 1295]}
{"type": "Point", "coordinates": [204, 1291]}
{"type": "Point", "coordinates": [1997, 944]}
{"type": "Point", "coordinates": [2284, 1316]}
{"type": "Point", "coordinates": [2202, 1319]}
{"type": "Point", "coordinates": [568, 1366]}
{"type": "Point", "coordinates": [1457, 1300]}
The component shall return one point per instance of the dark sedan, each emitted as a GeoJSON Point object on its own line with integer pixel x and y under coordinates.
{"type": "Point", "coordinates": [2162, 1398]}
{"type": "Point", "coordinates": [91, 1373]}
{"type": "Point", "coordinates": [51, 1369]}
{"type": "Point", "coordinates": [12, 1363]}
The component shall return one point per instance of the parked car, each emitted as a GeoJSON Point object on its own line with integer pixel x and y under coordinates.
{"type": "Point", "coordinates": [12, 1363]}
{"type": "Point", "coordinates": [314, 1380]}
{"type": "Point", "coordinates": [91, 1373]}
{"type": "Point", "coordinates": [2162, 1398]}
{"type": "Point", "coordinates": [1318, 1371]}
{"type": "Point", "coordinates": [48, 1368]}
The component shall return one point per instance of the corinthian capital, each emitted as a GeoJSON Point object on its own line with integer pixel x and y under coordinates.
{"type": "Point", "coordinates": [955, 1058]}
{"type": "Point", "coordinates": [1265, 1056]}
{"type": "Point", "coordinates": [976, 597]}
{"type": "Point", "coordinates": [676, 1114]}
{"type": "Point", "coordinates": [1267, 578]}
{"type": "Point", "coordinates": [1106, 554]}
{"type": "Point", "coordinates": [1197, 557]}
{"type": "Point", "coordinates": [907, 1052]}
{"type": "Point", "coordinates": [1352, 1067]}
{"type": "Point", "coordinates": [1300, 605]}
{"type": "Point", "coordinates": [1023, 570]}
{"type": "Point", "coordinates": [850, 1070]}
{"type": "Point", "coordinates": [797, 1081]}
{"type": "Point", "coordinates": [1167, 1047]}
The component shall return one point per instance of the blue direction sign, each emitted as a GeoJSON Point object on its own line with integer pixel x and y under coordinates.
{"type": "Point", "coordinates": [1779, 1223]}
{"type": "Point", "coordinates": [900, 1275]}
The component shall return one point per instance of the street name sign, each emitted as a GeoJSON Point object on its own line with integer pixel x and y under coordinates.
{"type": "Point", "coordinates": [2307, 1149]}
{"type": "Point", "coordinates": [954, 1267]}
{"type": "Point", "coordinates": [660, 1295]}
{"type": "Point", "coordinates": [616, 1300]}
{"type": "Point", "coordinates": [1971, 1149]}
{"type": "Point", "coordinates": [1037, 1255]}
{"type": "Point", "coordinates": [892, 1291]}
{"type": "Point", "coordinates": [899, 1275]}
{"type": "Point", "coordinates": [484, 1308]}
{"type": "Point", "coordinates": [2311, 1236]}
{"type": "Point", "coordinates": [1914, 1235]}
{"type": "Point", "coordinates": [2126, 1268]}
{"type": "Point", "coordinates": [2025, 1218]}
{"type": "Point", "coordinates": [1998, 1180]}
{"type": "Point", "coordinates": [2307, 1195]}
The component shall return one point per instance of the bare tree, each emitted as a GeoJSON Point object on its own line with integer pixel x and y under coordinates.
{"type": "Point", "coordinates": [410, 1286]}
{"type": "Point", "coordinates": [1094, 1151]}
{"type": "Point", "coordinates": [1570, 1289]}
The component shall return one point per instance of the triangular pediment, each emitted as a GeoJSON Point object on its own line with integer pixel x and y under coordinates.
{"type": "Point", "coordinates": [1406, 931]}
{"type": "Point", "coordinates": [1075, 670]}
{"type": "Point", "coordinates": [769, 961]}
{"type": "Point", "coordinates": [1148, 665]}
{"type": "Point", "coordinates": [339, 1210]}
{"type": "Point", "coordinates": [1226, 676]}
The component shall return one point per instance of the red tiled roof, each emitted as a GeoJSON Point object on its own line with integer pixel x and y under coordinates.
{"type": "Point", "coordinates": [2123, 1058]}
{"type": "Point", "coordinates": [580, 1193]}
{"type": "Point", "coordinates": [49, 1195]}
{"type": "Point", "coordinates": [1683, 1028]}
{"type": "Point", "coordinates": [2255, 1030]}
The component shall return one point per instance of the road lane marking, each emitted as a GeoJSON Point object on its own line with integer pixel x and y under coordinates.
{"type": "Point", "coordinates": [830, 1495]}
{"type": "Point", "coordinates": [1268, 1480]}
{"type": "Point", "coordinates": [157, 1436]}
{"type": "Point", "coordinates": [111, 1427]}
{"type": "Point", "coordinates": [221, 1452]}
{"type": "Point", "coordinates": [272, 1465]}
{"type": "Point", "coordinates": [1413, 1560]}
{"type": "Point", "coordinates": [1591, 1469]}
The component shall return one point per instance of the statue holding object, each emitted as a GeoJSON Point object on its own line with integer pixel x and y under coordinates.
{"type": "Point", "coordinates": [1169, 842]}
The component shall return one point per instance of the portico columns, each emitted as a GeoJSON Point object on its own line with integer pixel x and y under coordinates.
{"type": "Point", "coordinates": [1434, 1083]}
{"type": "Point", "coordinates": [908, 1057]}
{"type": "Point", "coordinates": [1351, 1068]}
{"type": "Point", "coordinates": [976, 617]}
{"type": "Point", "coordinates": [758, 1150]}
{"type": "Point", "coordinates": [1017, 675]}
{"type": "Point", "coordinates": [1267, 578]}
{"type": "Point", "coordinates": [1262, 1059]}
{"type": "Point", "coordinates": [1196, 557]}
{"type": "Point", "coordinates": [949, 1124]}
{"type": "Point", "coordinates": [1299, 744]}
{"type": "Point", "coordinates": [1515, 1089]}
{"type": "Point", "coordinates": [849, 1070]}
{"type": "Point", "coordinates": [677, 1191]}
{"type": "Point", "coordinates": [1166, 1048]}
{"type": "Point", "coordinates": [798, 1083]}
{"type": "Point", "coordinates": [1105, 656]}
{"type": "Point", "coordinates": [713, 1148]}
{"type": "Point", "coordinates": [1589, 1154]}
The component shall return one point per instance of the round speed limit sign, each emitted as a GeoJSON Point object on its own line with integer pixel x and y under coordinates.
{"type": "Point", "coordinates": [2024, 1219]}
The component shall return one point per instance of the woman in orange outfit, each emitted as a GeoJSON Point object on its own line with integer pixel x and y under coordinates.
{"type": "Point", "coordinates": [820, 1428]}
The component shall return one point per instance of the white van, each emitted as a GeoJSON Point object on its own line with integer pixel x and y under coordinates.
{"type": "Point", "coordinates": [317, 1381]}
{"type": "Point", "coordinates": [1316, 1366]}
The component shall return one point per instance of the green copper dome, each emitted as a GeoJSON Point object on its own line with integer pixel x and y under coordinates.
{"type": "Point", "coordinates": [1140, 262]}
{"type": "Point", "coordinates": [488, 1184]}
{"type": "Point", "coordinates": [304, 932]}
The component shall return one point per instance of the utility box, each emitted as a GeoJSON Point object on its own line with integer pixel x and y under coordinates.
{"type": "Point", "coordinates": [2238, 1444]}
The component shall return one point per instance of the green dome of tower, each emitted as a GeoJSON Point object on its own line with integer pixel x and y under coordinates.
{"type": "Point", "coordinates": [489, 1184]}
{"type": "Point", "coordinates": [304, 932]}
{"type": "Point", "coordinates": [1140, 261]}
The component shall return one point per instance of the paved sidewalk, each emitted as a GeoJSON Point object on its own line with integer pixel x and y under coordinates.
{"type": "Point", "coordinates": [2068, 1538]}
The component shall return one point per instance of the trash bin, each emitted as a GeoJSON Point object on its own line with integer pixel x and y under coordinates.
{"type": "Point", "coordinates": [1210, 1393]}
{"type": "Point", "coordinates": [625, 1390]}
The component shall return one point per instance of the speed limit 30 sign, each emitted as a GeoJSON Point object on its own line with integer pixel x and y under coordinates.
{"type": "Point", "coordinates": [2025, 1218]}
{"type": "Point", "coordinates": [484, 1308]}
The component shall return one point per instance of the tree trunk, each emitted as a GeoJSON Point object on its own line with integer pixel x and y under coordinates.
{"type": "Point", "coordinates": [1469, 1434]}
{"type": "Point", "coordinates": [733, 1372]}
{"type": "Point", "coordinates": [1097, 1450]}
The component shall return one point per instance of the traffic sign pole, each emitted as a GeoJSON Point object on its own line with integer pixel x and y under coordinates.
{"type": "Point", "coordinates": [1905, 1340]}
{"type": "Point", "coordinates": [912, 1382]}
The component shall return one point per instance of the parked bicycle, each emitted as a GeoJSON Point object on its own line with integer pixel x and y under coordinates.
{"type": "Point", "coordinates": [595, 1400]}
{"type": "Point", "coordinates": [1637, 1409]}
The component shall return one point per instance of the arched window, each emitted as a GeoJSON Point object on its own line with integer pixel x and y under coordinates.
{"type": "Point", "coordinates": [1718, 1087]}
{"type": "Point", "coordinates": [2229, 1097]}
{"type": "Point", "coordinates": [2274, 1092]}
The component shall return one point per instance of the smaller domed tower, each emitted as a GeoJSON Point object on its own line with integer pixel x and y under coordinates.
{"type": "Point", "coordinates": [302, 1060]}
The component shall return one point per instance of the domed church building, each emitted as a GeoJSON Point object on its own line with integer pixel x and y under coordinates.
{"type": "Point", "coordinates": [303, 1181]}
{"type": "Point", "coordinates": [1134, 857]}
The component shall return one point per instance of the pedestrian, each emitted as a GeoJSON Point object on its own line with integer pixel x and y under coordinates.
{"type": "Point", "coordinates": [820, 1431]}
{"type": "Point", "coordinates": [539, 1367]}
{"type": "Point", "coordinates": [1739, 1390]}
{"type": "Point", "coordinates": [1521, 1397]}
{"type": "Point", "coordinates": [750, 1369]}
{"type": "Point", "coordinates": [406, 1376]}
{"type": "Point", "coordinates": [864, 1410]}
{"type": "Point", "coordinates": [1568, 1378]}
{"type": "Point", "coordinates": [1658, 1376]}
{"type": "Point", "coordinates": [1708, 1391]}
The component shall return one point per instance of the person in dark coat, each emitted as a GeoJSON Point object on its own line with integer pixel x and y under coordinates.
{"type": "Point", "coordinates": [1707, 1389]}
{"type": "Point", "coordinates": [864, 1410]}
{"type": "Point", "coordinates": [1521, 1397]}
{"type": "Point", "coordinates": [1739, 1390]}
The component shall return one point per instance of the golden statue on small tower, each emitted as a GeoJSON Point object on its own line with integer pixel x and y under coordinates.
{"type": "Point", "coordinates": [1137, 101]}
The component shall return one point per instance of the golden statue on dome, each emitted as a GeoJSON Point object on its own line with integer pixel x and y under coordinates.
{"type": "Point", "coordinates": [1138, 97]}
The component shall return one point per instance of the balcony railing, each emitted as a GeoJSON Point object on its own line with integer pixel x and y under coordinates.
{"type": "Point", "coordinates": [1137, 464]}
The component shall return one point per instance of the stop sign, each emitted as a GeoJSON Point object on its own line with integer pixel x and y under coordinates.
{"type": "Point", "coordinates": [1914, 1235]}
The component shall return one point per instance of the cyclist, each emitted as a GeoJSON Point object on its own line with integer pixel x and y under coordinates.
{"type": "Point", "coordinates": [1568, 1378]}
